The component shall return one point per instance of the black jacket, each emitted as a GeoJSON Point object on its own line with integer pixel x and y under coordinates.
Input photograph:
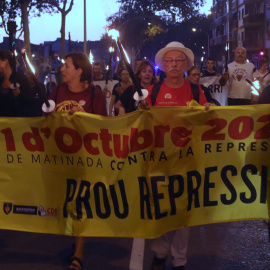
{"type": "Point", "coordinates": [16, 106]}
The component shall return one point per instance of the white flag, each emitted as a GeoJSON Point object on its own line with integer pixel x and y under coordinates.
{"type": "Point", "coordinates": [218, 92]}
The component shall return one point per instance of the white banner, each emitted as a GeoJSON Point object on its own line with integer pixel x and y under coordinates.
{"type": "Point", "coordinates": [111, 84]}
{"type": "Point", "coordinates": [218, 92]}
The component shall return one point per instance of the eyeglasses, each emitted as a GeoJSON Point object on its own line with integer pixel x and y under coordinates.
{"type": "Point", "coordinates": [177, 60]}
{"type": "Point", "coordinates": [195, 74]}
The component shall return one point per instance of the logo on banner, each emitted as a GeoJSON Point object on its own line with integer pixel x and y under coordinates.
{"type": "Point", "coordinates": [23, 209]}
{"type": "Point", "coordinates": [7, 208]}
{"type": "Point", "coordinates": [51, 212]}
{"type": "Point", "coordinates": [41, 211]}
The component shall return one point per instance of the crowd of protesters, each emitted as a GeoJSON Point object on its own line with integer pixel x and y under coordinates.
{"type": "Point", "coordinates": [179, 83]}
{"type": "Point", "coordinates": [26, 101]}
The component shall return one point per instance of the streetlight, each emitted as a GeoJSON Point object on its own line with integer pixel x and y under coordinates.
{"type": "Point", "coordinates": [208, 39]}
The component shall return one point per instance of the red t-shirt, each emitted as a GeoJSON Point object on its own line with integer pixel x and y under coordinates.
{"type": "Point", "coordinates": [181, 96]}
{"type": "Point", "coordinates": [67, 100]}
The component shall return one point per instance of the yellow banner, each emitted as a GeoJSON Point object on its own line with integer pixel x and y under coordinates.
{"type": "Point", "coordinates": [137, 175]}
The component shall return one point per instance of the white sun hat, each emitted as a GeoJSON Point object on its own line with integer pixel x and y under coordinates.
{"type": "Point", "coordinates": [174, 46]}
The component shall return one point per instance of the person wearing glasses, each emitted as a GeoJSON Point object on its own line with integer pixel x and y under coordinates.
{"type": "Point", "coordinates": [175, 90]}
{"type": "Point", "coordinates": [194, 75]}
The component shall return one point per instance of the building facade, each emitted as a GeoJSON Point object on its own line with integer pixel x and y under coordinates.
{"type": "Point", "coordinates": [240, 23]}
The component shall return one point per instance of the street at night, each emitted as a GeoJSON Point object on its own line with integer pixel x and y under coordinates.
{"type": "Point", "coordinates": [134, 118]}
{"type": "Point", "coordinates": [225, 246]}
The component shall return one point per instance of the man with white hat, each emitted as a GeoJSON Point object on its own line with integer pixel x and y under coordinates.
{"type": "Point", "coordinates": [174, 60]}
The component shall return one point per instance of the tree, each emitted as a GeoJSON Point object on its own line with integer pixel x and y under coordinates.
{"type": "Point", "coordinates": [3, 7]}
{"type": "Point", "coordinates": [136, 26]}
{"type": "Point", "coordinates": [22, 8]}
{"type": "Point", "coordinates": [8, 16]}
{"type": "Point", "coordinates": [141, 27]}
{"type": "Point", "coordinates": [25, 24]}
{"type": "Point", "coordinates": [181, 32]}
{"type": "Point", "coordinates": [64, 12]}
{"type": "Point", "coordinates": [177, 9]}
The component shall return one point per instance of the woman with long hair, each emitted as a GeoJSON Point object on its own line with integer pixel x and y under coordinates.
{"type": "Point", "coordinates": [119, 89]}
{"type": "Point", "coordinates": [146, 76]}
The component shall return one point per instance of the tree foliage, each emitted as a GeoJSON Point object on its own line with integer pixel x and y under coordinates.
{"type": "Point", "coordinates": [154, 31]}
{"type": "Point", "coordinates": [136, 27]}
{"type": "Point", "coordinates": [174, 10]}
{"type": "Point", "coordinates": [149, 25]}
{"type": "Point", "coordinates": [181, 32]}
{"type": "Point", "coordinates": [11, 9]}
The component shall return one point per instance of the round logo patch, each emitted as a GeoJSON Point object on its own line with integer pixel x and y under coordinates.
{"type": "Point", "coordinates": [82, 102]}
{"type": "Point", "coordinates": [168, 96]}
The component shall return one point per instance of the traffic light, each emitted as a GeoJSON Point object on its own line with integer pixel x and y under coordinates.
{"type": "Point", "coordinates": [261, 53]}
{"type": "Point", "coordinates": [11, 27]}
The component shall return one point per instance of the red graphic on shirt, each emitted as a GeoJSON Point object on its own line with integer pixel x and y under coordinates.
{"type": "Point", "coordinates": [239, 75]}
{"type": "Point", "coordinates": [67, 105]}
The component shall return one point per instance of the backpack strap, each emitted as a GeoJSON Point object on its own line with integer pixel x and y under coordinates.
{"type": "Point", "coordinates": [92, 97]}
{"type": "Point", "coordinates": [56, 93]}
{"type": "Point", "coordinates": [155, 91]}
{"type": "Point", "coordinates": [195, 91]}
